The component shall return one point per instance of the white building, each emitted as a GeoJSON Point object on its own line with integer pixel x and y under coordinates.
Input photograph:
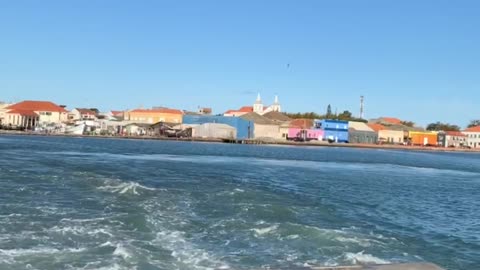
{"type": "Point", "coordinates": [473, 136]}
{"type": "Point", "coordinates": [83, 114]}
{"type": "Point", "coordinates": [34, 113]}
{"type": "Point", "coordinates": [3, 111]}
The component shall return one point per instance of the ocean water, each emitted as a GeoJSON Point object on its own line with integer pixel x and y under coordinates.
{"type": "Point", "coordinates": [78, 203]}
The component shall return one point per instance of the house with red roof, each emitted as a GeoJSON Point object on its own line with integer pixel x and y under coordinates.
{"type": "Point", "coordinates": [31, 113]}
{"type": "Point", "coordinates": [473, 136]}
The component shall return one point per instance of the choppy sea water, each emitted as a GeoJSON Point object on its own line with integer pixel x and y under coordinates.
{"type": "Point", "coordinates": [77, 203]}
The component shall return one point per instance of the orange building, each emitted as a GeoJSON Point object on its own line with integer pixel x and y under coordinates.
{"type": "Point", "coordinates": [423, 138]}
{"type": "Point", "coordinates": [153, 116]}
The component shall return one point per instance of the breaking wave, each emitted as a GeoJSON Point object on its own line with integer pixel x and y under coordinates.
{"type": "Point", "coordinates": [362, 258]}
{"type": "Point", "coordinates": [126, 188]}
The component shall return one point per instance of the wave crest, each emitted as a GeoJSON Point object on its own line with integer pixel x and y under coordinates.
{"type": "Point", "coordinates": [126, 188]}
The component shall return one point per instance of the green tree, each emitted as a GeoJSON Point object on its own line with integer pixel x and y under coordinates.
{"type": "Point", "coordinates": [307, 115]}
{"type": "Point", "coordinates": [474, 123]}
{"type": "Point", "coordinates": [345, 115]}
{"type": "Point", "coordinates": [438, 126]}
{"type": "Point", "coordinates": [329, 111]}
{"type": "Point", "coordinates": [408, 123]}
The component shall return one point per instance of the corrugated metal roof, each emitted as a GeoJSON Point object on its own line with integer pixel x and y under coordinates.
{"type": "Point", "coordinates": [360, 126]}
{"type": "Point", "coordinates": [257, 119]}
{"type": "Point", "coordinates": [277, 116]}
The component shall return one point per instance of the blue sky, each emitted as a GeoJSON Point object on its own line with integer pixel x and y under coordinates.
{"type": "Point", "coordinates": [416, 60]}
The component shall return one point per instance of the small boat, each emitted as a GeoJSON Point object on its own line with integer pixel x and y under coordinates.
{"type": "Point", "coordinates": [76, 130]}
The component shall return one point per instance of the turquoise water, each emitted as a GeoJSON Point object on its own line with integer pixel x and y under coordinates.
{"type": "Point", "coordinates": [73, 203]}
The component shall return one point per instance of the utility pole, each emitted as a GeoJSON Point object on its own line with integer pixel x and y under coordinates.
{"type": "Point", "coordinates": [361, 107]}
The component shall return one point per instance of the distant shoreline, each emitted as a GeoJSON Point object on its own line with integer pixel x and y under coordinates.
{"type": "Point", "coordinates": [252, 142]}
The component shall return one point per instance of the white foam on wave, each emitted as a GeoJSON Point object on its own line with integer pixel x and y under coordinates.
{"type": "Point", "coordinates": [122, 251]}
{"type": "Point", "coordinates": [266, 230]}
{"type": "Point", "coordinates": [114, 266]}
{"type": "Point", "coordinates": [186, 253]}
{"type": "Point", "coordinates": [362, 258]}
{"type": "Point", "coordinates": [79, 230]}
{"type": "Point", "coordinates": [126, 188]}
{"type": "Point", "coordinates": [355, 240]}
{"type": "Point", "coordinates": [73, 220]}
{"type": "Point", "coordinates": [38, 251]}
{"type": "Point", "coordinates": [344, 235]}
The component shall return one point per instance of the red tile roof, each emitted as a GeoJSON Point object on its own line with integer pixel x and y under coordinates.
{"type": "Point", "coordinates": [37, 106]}
{"type": "Point", "coordinates": [117, 113]}
{"type": "Point", "coordinates": [473, 129]}
{"type": "Point", "coordinates": [301, 123]}
{"type": "Point", "coordinates": [23, 112]}
{"type": "Point", "coordinates": [391, 120]}
{"type": "Point", "coordinates": [376, 127]}
{"type": "Point", "coordinates": [244, 109]}
{"type": "Point", "coordinates": [171, 111]}
{"type": "Point", "coordinates": [455, 133]}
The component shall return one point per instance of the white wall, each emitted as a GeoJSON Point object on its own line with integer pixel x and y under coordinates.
{"type": "Point", "coordinates": [267, 131]}
{"type": "Point", "coordinates": [52, 117]}
{"type": "Point", "coordinates": [473, 139]}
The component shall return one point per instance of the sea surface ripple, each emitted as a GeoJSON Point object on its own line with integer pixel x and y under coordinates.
{"type": "Point", "coordinates": [79, 203]}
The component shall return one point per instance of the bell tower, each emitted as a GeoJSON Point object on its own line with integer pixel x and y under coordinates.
{"type": "Point", "coordinates": [258, 105]}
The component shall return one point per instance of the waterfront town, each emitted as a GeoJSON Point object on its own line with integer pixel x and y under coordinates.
{"type": "Point", "coordinates": [256, 123]}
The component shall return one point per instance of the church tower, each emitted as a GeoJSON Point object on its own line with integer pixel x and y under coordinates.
{"type": "Point", "coordinates": [276, 105]}
{"type": "Point", "coordinates": [258, 105]}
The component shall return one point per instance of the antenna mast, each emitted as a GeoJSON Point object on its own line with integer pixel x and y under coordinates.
{"type": "Point", "coordinates": [361, 107]}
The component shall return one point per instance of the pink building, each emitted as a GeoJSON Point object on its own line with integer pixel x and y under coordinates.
{"type": "Point", "coordinates": [305, 134]}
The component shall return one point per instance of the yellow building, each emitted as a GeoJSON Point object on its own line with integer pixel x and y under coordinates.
{"type": "Point", "coordinates": [154, 116]}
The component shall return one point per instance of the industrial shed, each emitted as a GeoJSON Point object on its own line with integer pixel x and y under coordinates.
{"type": "Point", "coordinates": [360, 132]}
{"type": "Point", "coordinates": [245, 128]}
{"type": "Point", "coordinates": [214, 130]}
{"type": "Point", "coordinates": [263, 127]}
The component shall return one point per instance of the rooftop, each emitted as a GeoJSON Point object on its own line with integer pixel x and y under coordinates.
{"type": "Point", "coordinates": [257, 119]}
{"type": "Point", "coordinates": [455, 133]}
{"type": "Point", "coordinates": [277, 116]}
{"type": "Point", "coordinates": [37, 106]}
{"type": "Point", "coordinates": [376, 127]}
{"type": "Point", "coordinates": [244, 109]}
{"type": "Point", "coordinates": [163, 110]}
{"type": "Point", "coordinates": [23, 112]}
{"type": "Point", "coordinates": [85, 111]}
{"type": "Point", "coordinates": [301, 123]}
{"type": "Point", "coordinates": [390, 120]}
{"type": "Point", "coordinates": [473, 129]}
{"type": "Point", "coordinates": [360, 126]}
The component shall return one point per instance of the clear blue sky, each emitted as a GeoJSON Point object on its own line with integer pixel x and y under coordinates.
{"type": "Point", "coordinates": [412, 59]}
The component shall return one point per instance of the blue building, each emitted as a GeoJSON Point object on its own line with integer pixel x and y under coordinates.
{"type": "Point", "coordinates": [244, 127]}
{"type": "Point", "coordinates": [334, 130]}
